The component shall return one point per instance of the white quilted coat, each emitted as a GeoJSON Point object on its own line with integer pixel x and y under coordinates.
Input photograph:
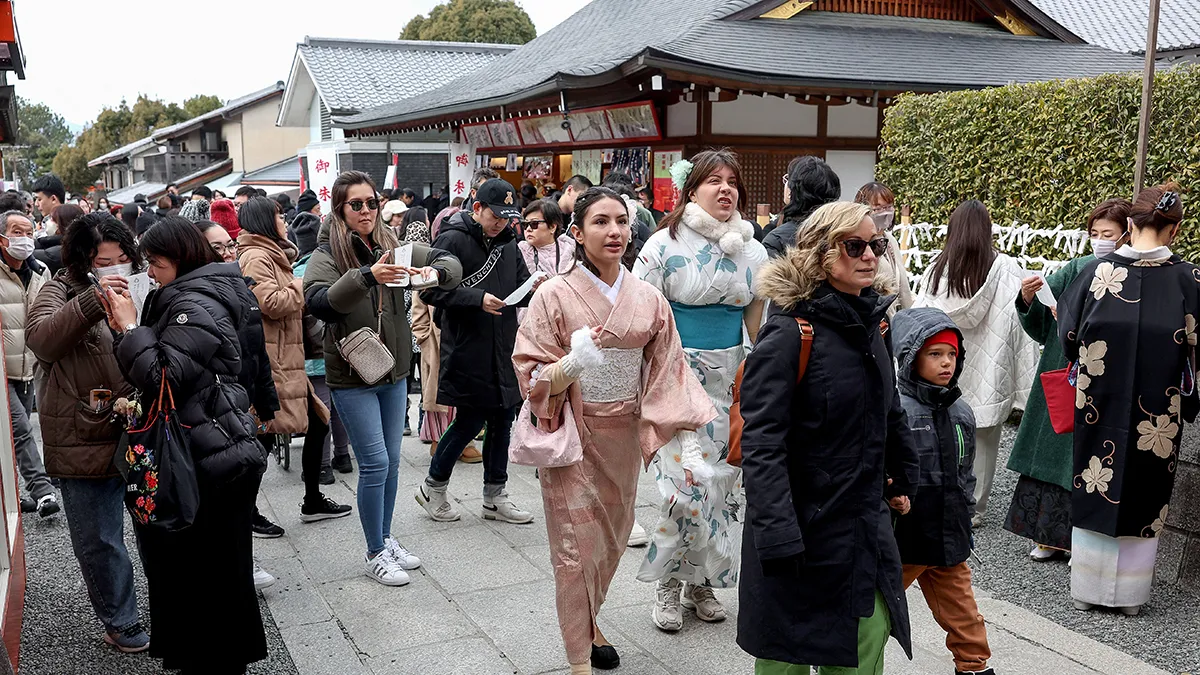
{"type": "Point", "coordinates": [1001, 359]}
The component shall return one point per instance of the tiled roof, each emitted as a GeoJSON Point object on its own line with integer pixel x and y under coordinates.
{"type": "Point", "coordinates": [175, 129]}
{"type": "Point", "coordinates": [153, 191]}
{"type": "Point", "coordinates": [1121, 24]}
{"type": "Point", "coordinates": [353, 75]}
{"type": "Point", "coordinates": [812, 46]}
{"type": "Point", "coordinates": [285, 171]}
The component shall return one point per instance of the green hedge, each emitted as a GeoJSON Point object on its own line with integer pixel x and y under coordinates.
{"type": "Point", "coordinates": [1045, 153]}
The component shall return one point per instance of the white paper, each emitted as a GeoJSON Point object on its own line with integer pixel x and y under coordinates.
{"type": "Point", "coordinates": [519, 294]}
{"type": "Point", "coordinates": [402, 256]}
{"type": "Point", "coordinates": [1044, 294]}
{"type": "Point", "coordinates": [140, 286]}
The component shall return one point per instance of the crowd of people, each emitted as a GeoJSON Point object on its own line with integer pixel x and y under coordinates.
{"type": "Point", "coordinates": [790, 377]}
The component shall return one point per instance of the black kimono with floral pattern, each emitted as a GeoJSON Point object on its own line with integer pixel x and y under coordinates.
{"type": "Point", "coordinates": [1129, 322]}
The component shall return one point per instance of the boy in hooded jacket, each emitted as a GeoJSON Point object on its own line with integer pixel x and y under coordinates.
{"type": "Point", "coordinates": [934, 537]}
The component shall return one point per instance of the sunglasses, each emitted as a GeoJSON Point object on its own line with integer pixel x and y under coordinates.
{"type": "Point", "coordinates": [533, 225]}
{"type": "Point", "coordinates": [856, 247]}
{"type": "Point", "coordinates": [356, 205]}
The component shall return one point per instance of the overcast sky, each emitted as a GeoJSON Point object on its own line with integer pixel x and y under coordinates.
{"type": "Point", "coordinates": [82, 55]}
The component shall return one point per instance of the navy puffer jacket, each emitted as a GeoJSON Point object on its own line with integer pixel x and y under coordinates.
{"type": "Point", "coordinates": [191, 327]}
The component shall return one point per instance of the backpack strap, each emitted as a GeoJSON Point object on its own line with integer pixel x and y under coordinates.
{"type": "Point", "coordinates": [806, 340]}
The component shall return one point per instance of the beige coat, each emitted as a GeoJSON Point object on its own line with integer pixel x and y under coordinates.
{"type": "Point", "coordinates": [892, 266]}
{"type": "Point", "coordinates": [429, 338]}
{"type": "Point", "coordinates": [282, 304]}
{"type": "Point", "coordinates": [15, 301]}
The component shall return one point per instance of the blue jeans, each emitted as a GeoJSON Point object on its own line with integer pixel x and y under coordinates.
{"type": "Point", "coordinates": [374, 419]}
{"type": "Point", "coordinates": [95, 511]}
{"type": "Point", "coordinates": [465, 427]}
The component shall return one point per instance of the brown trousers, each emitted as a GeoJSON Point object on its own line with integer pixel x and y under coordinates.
{"type": "Point", "coordinates": [948, 592]}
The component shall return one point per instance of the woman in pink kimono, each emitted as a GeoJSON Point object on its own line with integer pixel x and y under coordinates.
{"type": "Point", "coordinates": [606, 342]}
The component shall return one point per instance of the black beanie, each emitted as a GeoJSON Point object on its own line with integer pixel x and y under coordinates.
{"type": "Point", "coordinates": [306, 226]}
{"type": "Point", "coordinates": [307, 200]}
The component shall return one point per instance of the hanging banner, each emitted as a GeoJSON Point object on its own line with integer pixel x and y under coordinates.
{"type": "Point", "coordinates": [462, 165]}
{"type": "Point", "coordinates": [322, 172]}
{"type": "Point", "coordinates": [587, 163]}
{"type": "Point", "coordinates": [303, 182]}
{"type": "Point", "coordinates": [665, 193]}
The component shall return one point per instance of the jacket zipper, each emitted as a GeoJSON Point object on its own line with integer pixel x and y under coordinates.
{"type": "Point", "coordinates": [962, 449]}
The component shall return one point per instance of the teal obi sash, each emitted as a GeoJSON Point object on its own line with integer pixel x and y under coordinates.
{"type": "Point", "coordinates": [708, 326]}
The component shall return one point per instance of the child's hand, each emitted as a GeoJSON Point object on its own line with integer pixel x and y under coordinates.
{"type": "Point", "coordinates": [900, 504]}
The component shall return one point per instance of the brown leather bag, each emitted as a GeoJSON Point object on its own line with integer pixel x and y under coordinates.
{"type": "Point", "coordinates": [736, 423]}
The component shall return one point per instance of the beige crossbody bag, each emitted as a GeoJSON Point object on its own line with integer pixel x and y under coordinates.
{"type": "Point", "coordinates": [365, 352]}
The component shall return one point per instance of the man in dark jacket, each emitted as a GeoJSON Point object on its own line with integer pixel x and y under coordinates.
{"type": "Point", "coordinates": [478, 334]}
{"type": "Point", "coordinates": [935, 536]}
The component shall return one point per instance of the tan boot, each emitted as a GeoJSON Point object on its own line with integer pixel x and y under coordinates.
{"type": "Point", "coordinates": [470, 455]}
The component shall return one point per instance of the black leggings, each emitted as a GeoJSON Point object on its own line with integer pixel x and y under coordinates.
{"type": "Point", "coordinates": [310, 457]}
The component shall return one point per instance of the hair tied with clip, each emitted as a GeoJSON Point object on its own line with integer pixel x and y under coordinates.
{"type": "Point", "coordinates": [1167, 202]}
{"type": "Point", "coordinates": [679, 173]}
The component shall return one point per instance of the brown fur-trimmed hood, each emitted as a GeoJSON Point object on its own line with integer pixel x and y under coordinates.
{"type": "Point", "coordinates": [783, 283]}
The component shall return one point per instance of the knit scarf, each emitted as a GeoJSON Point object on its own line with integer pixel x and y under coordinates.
{"type": "Point", "coordinates": [730, 235]}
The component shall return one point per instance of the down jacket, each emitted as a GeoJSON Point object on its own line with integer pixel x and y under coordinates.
{"type": "Point", "coordinates": [16, 298]}
{"type": "Point", "coordinates": [1001, 358]}
{"type": "Point", "coordinates": [937, 531]}
{"type": "Point", "coordinates": [818, 541]}
{"type": "Point", "coordinates": [190, 327]}
{"type": "Point", "coordinates": [68, 333]}
{"type": "Point", "coordinates": [281, 301]}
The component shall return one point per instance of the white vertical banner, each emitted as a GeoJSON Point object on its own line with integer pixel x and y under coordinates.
{"type": "Point", "coordinates": [462, 165]}
{"type": "Point", "coordinates": [322, 172]}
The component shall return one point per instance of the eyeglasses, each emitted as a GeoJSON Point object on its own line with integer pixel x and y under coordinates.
{"type": "Point", "coordinates": [856, 247]}
{"type": "Point", "coordinates": [222, 248]}
{"type": "Point", "coordinates": [356, 205]}
{"type": "Point", "coordinates": [533, 225]}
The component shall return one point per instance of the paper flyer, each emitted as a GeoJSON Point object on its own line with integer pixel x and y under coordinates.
{"type": "Point", "coordinates": [519, 294]}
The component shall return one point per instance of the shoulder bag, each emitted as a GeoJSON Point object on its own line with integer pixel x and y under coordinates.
{"type": "Point", "coordinates": [365, 352]}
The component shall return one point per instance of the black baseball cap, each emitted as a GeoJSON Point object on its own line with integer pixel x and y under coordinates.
{"type": "Point", "coordinates": [499, 196]}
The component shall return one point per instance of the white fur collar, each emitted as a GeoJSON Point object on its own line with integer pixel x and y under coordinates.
{"type": "Point", "coordinates": [730, 235]}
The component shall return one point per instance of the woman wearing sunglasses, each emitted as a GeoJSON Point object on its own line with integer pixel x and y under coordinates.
{"type": "Point", "coordinates": [976, 285]}
{"type": "Point", "coordinates": [545, 247]}
{"type": "Point", "coordinates": [348, 285]}
{"type": "Point", "coordinates": [820, 564]}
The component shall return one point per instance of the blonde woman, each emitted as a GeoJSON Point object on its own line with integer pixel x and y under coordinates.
{"type": "Point", "coordinates": [821, 582]}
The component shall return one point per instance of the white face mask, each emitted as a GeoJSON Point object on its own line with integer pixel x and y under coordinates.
{"type": "Point", "coordinates": [20, 248]}
{"type": "Point", "coordinates": [119, 270]}
{"type": "Point", "coordinates": [1102, 247]}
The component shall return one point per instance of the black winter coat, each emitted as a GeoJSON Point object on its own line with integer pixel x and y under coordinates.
{"type": "Point", "coordinates": [818, 539]}
{"type": "Point", "coordinates": [937, 531]}
{"type": "Point", "coordinates": [191, 326]}
{"type": "Point", "coordinates": [781, 237]}
{"type": "Point", "coordinates": [477, 347]}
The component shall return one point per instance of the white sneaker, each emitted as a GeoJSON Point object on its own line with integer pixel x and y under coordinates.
{"type": "Point", "coordinates": [262, 578]}
{"type": "Point", "coordinates": [503, 509]}
{"type": "Point", "coordinates": [700, 599]}
{"type": "Point", "coordinates": [386, 569]}
{"type": "Point", "coordinates": [434, 501]}
{"type": "Point", "coordinates": [666, 614]}
{"type": "Point", "coordinates": [407, 560]}
{"type": "Point", "coordinates": [638, 536]}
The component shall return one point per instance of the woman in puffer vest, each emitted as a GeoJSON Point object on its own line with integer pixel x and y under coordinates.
{"type": "Point", "coordinates": [189, 330]}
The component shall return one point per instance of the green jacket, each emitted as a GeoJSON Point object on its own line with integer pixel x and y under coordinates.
{"type": "Point", "coordinates": [1038, 452]}
{"type": "Point", "coordinates": [347, 301]}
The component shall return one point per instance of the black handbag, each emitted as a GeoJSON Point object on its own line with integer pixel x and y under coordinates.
{"type": "Point", "coordinates": [161, 491]}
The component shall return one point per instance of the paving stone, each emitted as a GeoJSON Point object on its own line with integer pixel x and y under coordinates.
{"type": "Point", "coordinates": [380, 619]}
{"type": "Point", "coordinates": [476, 656]}
{"type": "Point", "coordinates": [294, 599]}
{"type": "Point", "coordinates": [332, 549]}
{"type": "Point", "coordinates": [523, 623]}
{"type": "Point", "coordinates": [471, 558]}
{"type": "Point", "coordinates": [322, 649]}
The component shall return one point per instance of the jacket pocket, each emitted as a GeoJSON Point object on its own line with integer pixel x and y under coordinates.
{"type": "Point", "coordinates": [95, 426]}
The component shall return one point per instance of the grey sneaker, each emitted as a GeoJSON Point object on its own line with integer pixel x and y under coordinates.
{"type": "Point", "coordinates": [638, 536]}
{"type": "Point", "coordinates": [666, 613]}
{"type": "Point", "coordinates": [700, 599]}
{"type": "Point", "coordinates": [434, 501]}
{"type": "Point", "coordinates": [130, 641]}
{"type": "Point", "coordinates": [503, 509]}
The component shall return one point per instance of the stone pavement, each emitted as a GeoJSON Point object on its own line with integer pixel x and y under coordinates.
{"type": "Point", "coordinates": [483, 602]}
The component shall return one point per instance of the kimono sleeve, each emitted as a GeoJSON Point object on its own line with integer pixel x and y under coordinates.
{"type": "Point", "coordinates": [540, 342]}
{"type": "Point", "coordinates": [673, 399]}
{"type": "Point", "coordinates": [649, 265]}
{"type": "Point", "coordinates": [1070, 312]}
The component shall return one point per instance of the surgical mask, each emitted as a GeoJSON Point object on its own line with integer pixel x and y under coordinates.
{"type": "Point", "coordinates": [884, 219]}
{"type": "Point", "coordinates": [19, 248]}
{"type": "Point", "coordinates": [1102, 247]}
{"type": "Point", "coordinates": [114, 270]}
